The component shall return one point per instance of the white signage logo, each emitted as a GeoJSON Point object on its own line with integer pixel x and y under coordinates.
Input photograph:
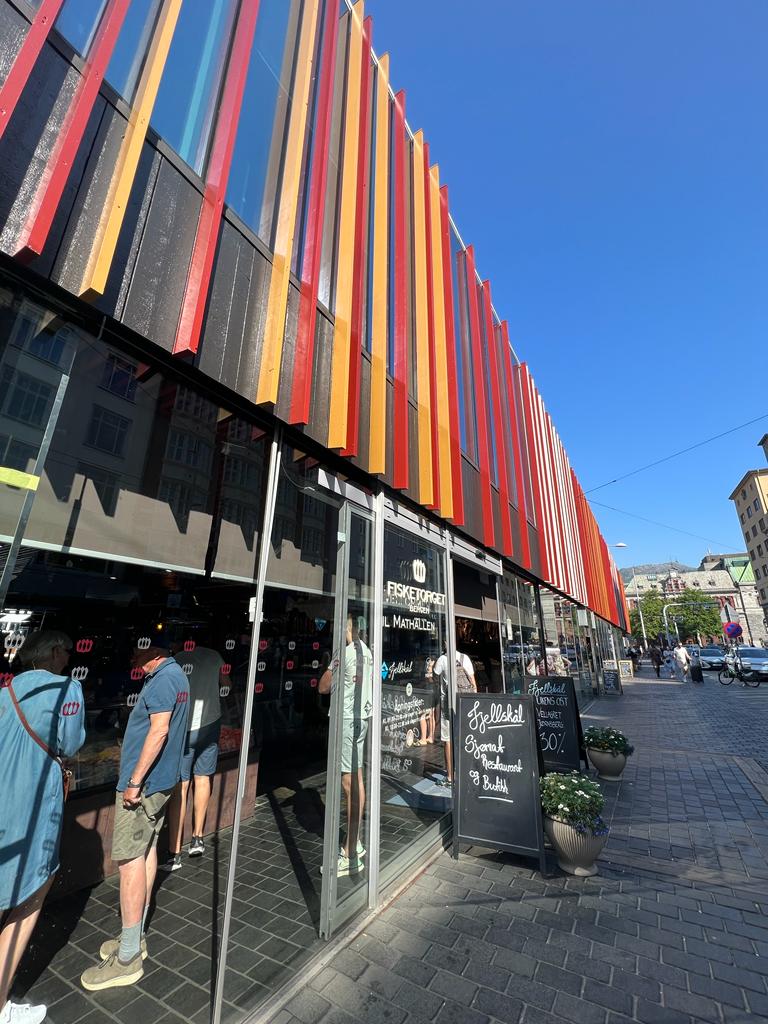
{"type": "Point", "coordinates": [419, 570]}
{"type": "Point", "coordinates": [143, 643]}
{"type": "Point", "coordinates": [133, 700]}
{"type": "Point", "coordinates": [187, 669]}
{"type": "Point", "coordinates": [14, 641]}
{"type": "Point", "coordinates": [79, 673]}
{"type": "Point", "coordinates": [230, 645]}
{"type": "Point", "coordinates": [261, 666]}
{"type": "Point", "coordinates": [224, 691]}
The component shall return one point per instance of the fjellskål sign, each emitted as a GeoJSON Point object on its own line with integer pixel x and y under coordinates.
{"type": "Point", "coordinates": [559, 725]}
{"type": "Point", "coordinates": [497, 774]}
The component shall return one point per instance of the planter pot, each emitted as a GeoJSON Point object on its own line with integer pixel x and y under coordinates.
{"type": "Point", "coordinates": [576, 851]}
{"type": "Point", "coordinates": [608, 765]}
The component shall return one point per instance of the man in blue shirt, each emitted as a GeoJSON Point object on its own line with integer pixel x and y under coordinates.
{"type": "Point", "coordinates": [150, 765]}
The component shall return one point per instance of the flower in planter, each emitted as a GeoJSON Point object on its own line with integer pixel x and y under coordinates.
{"type": "Point", "coordinates": [575, 800]}
{"type": "Point", "coordinates": [612, 740]}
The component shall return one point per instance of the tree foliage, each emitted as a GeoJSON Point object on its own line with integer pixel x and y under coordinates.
{"type": "Point", "coordinates": [694, 613]}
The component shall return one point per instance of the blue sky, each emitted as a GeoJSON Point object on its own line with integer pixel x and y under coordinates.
{"type": "Point", "coordinates": [609, 161]}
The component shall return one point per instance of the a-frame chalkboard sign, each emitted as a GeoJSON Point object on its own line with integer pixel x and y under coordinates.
{"type": "Point", "coordinates": [557, 714]}
{"type": "Point", "coordinates": [497, 802]}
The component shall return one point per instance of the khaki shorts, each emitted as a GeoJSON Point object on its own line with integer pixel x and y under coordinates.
{"type": "Point", "coordinates": [136, 830]}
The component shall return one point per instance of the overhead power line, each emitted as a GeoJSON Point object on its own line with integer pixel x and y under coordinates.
{"type": "Point", "coordinates": [665, 526]}
{"type": "Point", "coordinates": [674, 455]}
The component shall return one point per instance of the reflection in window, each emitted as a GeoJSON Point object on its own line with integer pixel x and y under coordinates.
{"type": "Point", "coordinates": [16, 454]}
{"type": "Point", "coordinates": [131, 47]}
{"type": "Point", "coordinates": [189, 91]}
{"type": "Point", "coordinates": [106, 485]}
{"type": "Point", "coordinates": [27, 399]}
{"type": "Point", "coordinates": [464, 368]}
{"type": "Point", "coordinates": [119, 377]}
{"type": "Point", "coordinates": [78, 21]}
{"type": "Point", "coordinates": [258, 148]}
{"type": "Point", "coordinates": [189, 450]}
{"type": "Point", "coordinates": [107, 431]}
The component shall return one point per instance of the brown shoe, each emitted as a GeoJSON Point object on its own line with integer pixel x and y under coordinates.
{"type": "Point", "coordinates": [111, 973]}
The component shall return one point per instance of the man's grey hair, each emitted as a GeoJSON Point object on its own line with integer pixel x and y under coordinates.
{"type": "Point", "coordinates": [39, 646]}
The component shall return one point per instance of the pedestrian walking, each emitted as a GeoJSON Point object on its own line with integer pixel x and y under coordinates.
{"type": "Point", "coordinates": [697, 676]}
{"type": "Point", "coordinates": [656, 660]}
{"type": "Point", "coordinates": [682, 660]}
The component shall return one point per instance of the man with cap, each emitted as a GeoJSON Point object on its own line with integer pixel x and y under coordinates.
{"type": "Point", "coordinates": [150, 765]}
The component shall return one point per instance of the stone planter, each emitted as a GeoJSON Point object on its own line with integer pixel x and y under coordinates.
{"type": "Point", "coordinates": [608, 765]}
{"type": "Point", "coordinates": [576, 851]}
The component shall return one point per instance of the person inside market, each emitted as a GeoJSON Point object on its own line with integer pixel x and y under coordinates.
{"type": "Point", "coordinates": [207, 676]}
{"type": "Point", "coordinates": [43, 716]}
{"type": "Point", "coordinates": [463, 682]}
{"type": "Point", "coordinates": [357, 710]}
{"type": "Point", "coordinates": [150, 767]}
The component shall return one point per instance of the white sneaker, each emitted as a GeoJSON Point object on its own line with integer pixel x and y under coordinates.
{"type": "Point", "coordinates": [22, 1013]}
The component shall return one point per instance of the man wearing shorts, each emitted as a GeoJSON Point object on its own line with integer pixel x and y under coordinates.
{"type": "Point", "coordinates": [204, 670]}
{"type": "Point", "coordinates": [358, 706]}
{"type": "Point", "coordinates": [463, 664]}
{"type": "Point", "coordinates": [149, 769]}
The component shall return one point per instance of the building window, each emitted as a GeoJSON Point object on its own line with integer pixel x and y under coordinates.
{"type": "Point", "coordinates": [105, 484]}
{"type": "Point", "coordinates": [26, 398]}
{"type": "Point", "coordinates": [15, 454]}
{"type": "Point", "coordinates": [757, 573]}
{"type": "Point", "coordinates": [749, 512]}
{"type": "Point", "coordinates": [756, 504]}
{"type": "Point", "coordinates": [759, 549]}
{"type": "Point", "coordinates": [107, 431]}
{"type": "Point", "coordinates": [119, 377]}
{"type": "Point", "coordinates": [188, 450]}
{"type": "Point", "coordinates": [754, 531]}
{"type": "Point", "coordinates": [743, 492]}
{"type": "Point", "coordinates": [187, 99]}
{"type": "Point", "coordinates": [177, 496]}
{"type": "Point", "coordinates": [752, 555]}
{"type": "Point", "coordinates": [193, 404]}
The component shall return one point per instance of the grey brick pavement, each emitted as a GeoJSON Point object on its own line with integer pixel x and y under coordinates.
{"type": "Point", "coordinates": [674, 928]}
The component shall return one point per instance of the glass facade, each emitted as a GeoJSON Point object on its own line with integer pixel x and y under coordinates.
{"type": "Point", "coordinates": [138, 511]}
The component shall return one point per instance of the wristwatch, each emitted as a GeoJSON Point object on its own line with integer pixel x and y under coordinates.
{"type": "Point", "coordinates": [133, 785]}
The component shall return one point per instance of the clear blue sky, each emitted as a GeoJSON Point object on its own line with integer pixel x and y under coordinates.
{"type": "Point", "coordinates": [609, 161]}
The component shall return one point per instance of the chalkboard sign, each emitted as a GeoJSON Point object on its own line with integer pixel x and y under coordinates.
{"type": "Point", "coordinates": [611, 681]}
{"type": "Point", "coordinates": [557, 716]}
{"type": "Point", "coordinates": [497, 801]}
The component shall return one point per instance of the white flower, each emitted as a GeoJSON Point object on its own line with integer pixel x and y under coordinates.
{"type": "Point", "coordinates": [562, 787]}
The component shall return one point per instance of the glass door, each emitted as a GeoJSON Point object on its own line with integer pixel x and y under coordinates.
{"type": "Point", "coordinates": [349, 679]}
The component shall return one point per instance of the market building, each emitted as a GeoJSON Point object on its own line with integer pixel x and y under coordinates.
{"type": "Point", "coordinates": [253, 390]}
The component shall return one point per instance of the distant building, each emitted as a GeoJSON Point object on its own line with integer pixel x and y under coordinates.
{"type": "Point", "coordinates": [750, 496]}
{"type": "Point", "coordinates": [727, 578]}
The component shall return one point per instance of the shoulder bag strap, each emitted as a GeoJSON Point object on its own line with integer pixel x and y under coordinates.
{"type": "Point", "coordinates": [28, 727]}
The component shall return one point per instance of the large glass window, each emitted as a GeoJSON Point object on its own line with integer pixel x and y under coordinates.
{"type": "Point", "coordinates": [78, 21]}
{"type": "Point", "coordinates": [520, 630]}
{"type": "Point", "coordinates": [253, 180]}
{"type": "Point", "coordinates": [188, 95]}
{"type": "Point", "coordinates": [120, 554]}
{"type": "Point", "coordinates": [416, 702]}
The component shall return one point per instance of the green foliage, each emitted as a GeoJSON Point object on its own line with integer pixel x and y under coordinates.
{"type": "Point", "coordinates": [607, 739]}
{"type": "Point", "coordinates": [699, 614]}
{"type": "Point", "coordinates": [575, 800]}
{"type": "Point", "coordinates": [651, 604]}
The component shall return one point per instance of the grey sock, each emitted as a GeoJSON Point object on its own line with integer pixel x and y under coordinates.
{"type": "Point", "coordinates": [130, 943]}
{"type": "Point", "coordinates": [144, 919]}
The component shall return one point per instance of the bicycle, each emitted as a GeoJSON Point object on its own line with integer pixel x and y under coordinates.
{"type": "Point", "coordinates": [726, 675]}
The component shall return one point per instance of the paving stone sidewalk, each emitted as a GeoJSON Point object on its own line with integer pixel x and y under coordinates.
{"type": "Point", "coordinates": [672, 930]}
